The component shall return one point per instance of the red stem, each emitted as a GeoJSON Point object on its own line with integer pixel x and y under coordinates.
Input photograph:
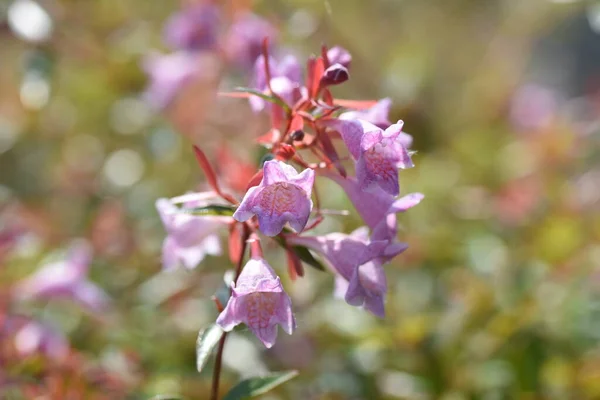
{"type": "Point", "coordinates": [214, 394]}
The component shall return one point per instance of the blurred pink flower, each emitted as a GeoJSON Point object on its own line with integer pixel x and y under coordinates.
{"type": "Point", "coordinates": [244, 40]}
{"type": "Point", "coordinates": [532, 107]}
{"type": "Point", "coordinates": [167, 74]}
{"type": "Point", "coordinates": [193, 28]}
{"type": "Point", "coordinates": [339, 55]}
{"type": "Point", "coordinates": [286, 80]}
{"type": "Point", "coordinates": [66, 279]}
{"type": "Point", "coordinates": [34, 337]}
{"type": "Point", "coordinates": [189, 237]}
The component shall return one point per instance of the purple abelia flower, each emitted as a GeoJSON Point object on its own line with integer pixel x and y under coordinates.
{"type": "Point", "coordinates": [189, 237]}
{"type": "Point", "coordinates": [259, 301]}
{"type": "Point", "coordinates": [360, 278]}
{"type": "Point", "coordinates": [342, 252]}
{"type": "Point", "coordinates": [282, 196]}
{"type": "Point", "coordinates": [377, 115]}
{"type": "Point", "coordinates": [381, 154]}
{"type": "Point", "coordinates": [378, 153]}
{"type": "Point", "coordinates": [193, 28]}
{"type": "Point", "coordinates": [387, 230]}
{"type": "Point", "coordinates": [66, 279]}
{"type": "Point", "coordinates": [244, 40]}
{"type": "Point", "coordinates": [168, 73]}
{"type": "Point", "coordinates": [339, 55]}
{"type": "Point", "coordinates": [376, 205]}
{"type": "Point", "coordinates": [286, 80]}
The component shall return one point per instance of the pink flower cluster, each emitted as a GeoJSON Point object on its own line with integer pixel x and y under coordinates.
{"type": "Point", "coordinates": [281, 201]}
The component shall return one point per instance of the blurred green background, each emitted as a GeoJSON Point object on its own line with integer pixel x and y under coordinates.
{"type": "Point", "coordinates": [498, 296]}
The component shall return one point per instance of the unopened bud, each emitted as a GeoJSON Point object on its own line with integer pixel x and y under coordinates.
{"type": "Point", "coordinates": [335, 75]}
{"type": "Point", "coordinates": [297, 135]}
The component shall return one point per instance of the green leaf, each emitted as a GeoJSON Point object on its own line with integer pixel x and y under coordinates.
{"type": "Point", "coordinates": [215, 209]}
{"type": "Point", "coordinates": [264, 96]}
{"type": "Point", "coordinates": [166, 397]}
{"type": "Point", "coordinates": [207, 340]}
{"type": "Point", "coordinates": [305, 255]}
{"type": "Point", "coordinates": [302, 252]}
{"type": "Point", "coordinates": [256, 386]}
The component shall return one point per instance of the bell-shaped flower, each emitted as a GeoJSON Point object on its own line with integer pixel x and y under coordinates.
{"type": "Point", "coordinates": [282, 196]}
{"type": "Point", "coordinates": [381, 154]}
{"type": "Point", "coordinates": [244, 41]}
{"type": "Point", "coordinates": [259, 301]}
{"type": "Point", "coordinates": [360, 277]}
{"type": "Point", "coordinates": [66, 279]}
{"type": "Point", "coordinates": [189, 237]}
{"type": "Point", "coordinates": [167, 74]}
{"type": "Point", "coordinates": [378, 153]}
{"type": "Point", "coordinates": [376, 205]}
{"type": "Point", "coordinates": [339, 55]}
{"type": "Point", "coordinates": [286, 78]}
{"type": "Point", "coordinates": [193, 28]}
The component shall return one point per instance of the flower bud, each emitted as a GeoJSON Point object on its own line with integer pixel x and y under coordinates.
{"type": "Point", "coordinates": [334, 75]}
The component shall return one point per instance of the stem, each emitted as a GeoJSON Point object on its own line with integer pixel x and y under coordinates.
{"type": "Point", "coordinates": [214, 394]}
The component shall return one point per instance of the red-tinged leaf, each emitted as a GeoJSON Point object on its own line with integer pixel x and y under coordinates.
{"type": "Point", "coordinates": [278, 115]}
{"type": "Point", "coordinates": [324, 56]}
{"type": "Point", "coordinates": [356, 104]}
{"type": "Point", "coordinates": [255, 181]}
{"type": "Point", "coordinates": [235, 242]}
{"type": "Point", "coordinates": [235, 172]}
{"type": "Point", "coordinates": [310, 73]}
{"type": "Point", "coordinates": [297, 123]}
{"type": "Point", "coordinates": [328, 97]}
{"type": "Point", "coordinates": [317, 74]}
{"type": "Point", "coordinates": [295, 267]}
{"type": "Point", "coordinates": [211, 177]}
{"type": "Point", "coordinates": [330, 151]}
{"type": "Point", "coordinates": [269, 138]}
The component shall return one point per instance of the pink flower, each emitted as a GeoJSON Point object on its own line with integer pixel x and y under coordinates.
{"type": "Point", "coordinates": [381, 154]}
{"type": "Point", "coordinates": [378, 153]}
{"type": "Point", "coordinates": [282, 196]}
{"type": "Point", "coordinates": [189, 237]}
{"type": "Point", "coordinates": [168, 73]}
{"type": "Point", "coordinates": [376, 205]}
{"type": "Point", "coordinates": [360, 277]}
{"type": "Point", "coordinates": [259, 301]}
{"type": "Point", "coordinates": [245, 37]}
{"type": "Point", "coordinates": [286, 78]}
{"type": "Point", "coordinates": [66, 279]}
